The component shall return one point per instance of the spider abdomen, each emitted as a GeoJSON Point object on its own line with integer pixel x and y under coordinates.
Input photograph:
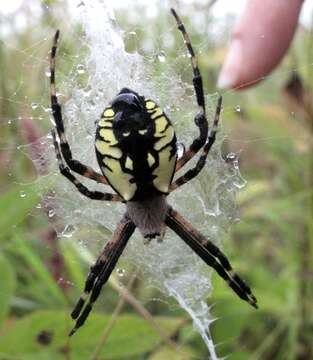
{"type": "Point", "coordinates": [136, 147]}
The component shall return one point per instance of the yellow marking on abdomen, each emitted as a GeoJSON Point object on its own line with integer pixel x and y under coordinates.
{"type": "Point", "coordinates": [164, 171]}
{"type": "Point", "coordinates": [106, 149]}
{"type": "Point", "coordinates": [166, 139]}
{"type": "Point", "coordinates": [108, 135]}
{"type": "Point", "coordinates": [105, 122]}
{"type": "Point", "coordinates": [150, 105]}
{"type": "Point", "coordinates": [157, 113]}
{"type": "Point", "coordinates": [108, 113]}
{"type": "Point", "coordinates": [160, 125]}
{"type": "Point", "coordinates": [129, 163]}
{"type": "Point", "coordinates": [118, 178]}
{"type": "Point", "coordinates": [151, 160]}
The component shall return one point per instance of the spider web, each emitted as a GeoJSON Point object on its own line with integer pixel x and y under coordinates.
{"type": "Point", "coordinates": [102, 67]}
{"type": "Point", "coordinates": [171, 265]}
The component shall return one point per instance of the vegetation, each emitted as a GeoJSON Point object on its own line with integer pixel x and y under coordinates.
{"type": "Point", "coordinates": [270, 126]}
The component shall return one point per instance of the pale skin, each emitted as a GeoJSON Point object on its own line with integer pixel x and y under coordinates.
{"type": "Point", "coordinates": [260, 39]}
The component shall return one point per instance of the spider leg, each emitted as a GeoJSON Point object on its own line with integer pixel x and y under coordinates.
{"type": "Point", "coordinates": [210, 254]}
{"type": "Point", "coordinates": [190, 174]}
{"type": "Point", "coordinates": [200, 119]}
{"type": "Point", "coordinates": [65, 171]}
{"type": "Point", "coordinates": [74, 165]}
{"type": "Point", "coordinates": [101, 271]}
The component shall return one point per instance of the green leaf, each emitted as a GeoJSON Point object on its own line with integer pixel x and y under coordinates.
{"type": "Point", "coordinates": [24, 249]}
{"type": "Point", "coordinates": [7, 286]}
{"type": "Point", "coordinates": [45, 333]}
{"type": "Point", "coordinates": [15, 205]}
{"type": "Point", "coordinates": [73, 265]}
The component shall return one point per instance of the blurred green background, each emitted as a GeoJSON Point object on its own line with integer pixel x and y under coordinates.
{"type": "Point", "coordinates": [270, 126]}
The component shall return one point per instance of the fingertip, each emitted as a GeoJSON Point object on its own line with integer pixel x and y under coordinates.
{"type": "Point", "coordinates": [261, 38]}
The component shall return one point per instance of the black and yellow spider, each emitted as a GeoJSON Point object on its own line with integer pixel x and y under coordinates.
{"type": "Point", "coordinates": [136, 150]}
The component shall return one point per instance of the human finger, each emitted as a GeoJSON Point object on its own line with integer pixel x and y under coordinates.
{"type": "Point", "coordinates": [260, 39]}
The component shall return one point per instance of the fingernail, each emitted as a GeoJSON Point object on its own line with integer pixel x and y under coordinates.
{"type": "Point", "coordinates": [230, 72]}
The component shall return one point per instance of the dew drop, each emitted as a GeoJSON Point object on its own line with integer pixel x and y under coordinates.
{"type": "Point", "coordinates": [240, 184]}
{"type": "Point", "coordinates": [48, 73]}
{"type": "Point", "coordinates": [34, 105]}
{"type": "Point", "coordinates": [161, 57]}
{"type": "Point", "coordinates": [80, 69]}
{"type": "Point", "coordinates": [22, 194]}
{"type": "Point", "coordinates": [47, 110]}
{"type": "Point", "coordinates": [231, 157]}
{"type": "Point", "coordinates": [38, 206]}
{"type": "Point", "coordinates": [237, 108]}
{"type": "Point", "coordinates": [120, 272]}
{"type": "Point", "coordinates": [68, 231]}
{"type": "Point", "coordinates": [9, 122]}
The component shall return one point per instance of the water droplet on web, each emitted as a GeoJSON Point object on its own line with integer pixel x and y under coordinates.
{"type": "Point", "coordinates": [231, 157]}
{"type": "Point", "coordinates": [237, 108]}
{"type": "Point", "coordinates": [68, 231]}
{"type": "Point", "coordinates": [80, 69]}
{"type": "Point", "coordinates": [22, 193]}
{"type": "Point", "coordinates": [120, 272]}
{"type": "Point", "coordinates": [9, 122]}
{"type": "Point", "coordinates": [236, 164]}
{"type": "Point", "coordinates": [48, 73]}
{"type": "Point", "coordinates": [38, 206]}
{"type": "Point", "coordinates": [34, 105]}
{"type": "Point", "coordinates": [239, 182]}
{"type": "Point", "coordinates": [161, 57]}
{"type": "Point", "coordinates": [47, 109]}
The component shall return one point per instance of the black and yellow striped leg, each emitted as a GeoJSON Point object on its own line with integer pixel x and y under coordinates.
{"type": "Point", "coordinates": [74, 165]}
{"type": "Point", "coordinates": [65, 171]}
{"type": "Point", "coordinates": [210, 254]}
{"type": "Point", "coordinates": [200, 119]}
{"type": "Point", "coordinates": [190, 174]}
{"type": "Point", "coordinates": [101, 271]}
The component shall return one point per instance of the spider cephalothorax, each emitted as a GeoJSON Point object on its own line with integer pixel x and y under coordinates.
{"type": "Point", "coordinates": [136, 152]}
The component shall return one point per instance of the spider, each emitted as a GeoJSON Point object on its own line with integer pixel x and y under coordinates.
{"type": "Point", "coordinates": [136, 149]}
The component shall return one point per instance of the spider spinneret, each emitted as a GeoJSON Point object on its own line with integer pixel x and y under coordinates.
{"type": "Point", "coordinates": [136, 149]}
